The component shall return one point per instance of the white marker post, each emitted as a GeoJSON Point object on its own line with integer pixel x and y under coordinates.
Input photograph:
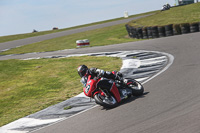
{"type": "Point", "coordinates": [125, 14]}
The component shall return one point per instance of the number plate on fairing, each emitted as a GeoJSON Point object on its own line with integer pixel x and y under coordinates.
{"type": "Point", "coordinates": [87, 89]}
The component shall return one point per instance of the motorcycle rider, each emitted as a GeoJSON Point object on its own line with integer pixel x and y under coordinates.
{"type": "Point", "coordinates": [104, 83]}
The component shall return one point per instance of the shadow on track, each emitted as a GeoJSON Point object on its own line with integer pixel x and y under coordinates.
{"type": "Point", "coordinates": [130, 99]}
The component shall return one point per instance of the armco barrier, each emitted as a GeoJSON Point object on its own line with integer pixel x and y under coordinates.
{"type": "Point", "coordinates": [162, 31]}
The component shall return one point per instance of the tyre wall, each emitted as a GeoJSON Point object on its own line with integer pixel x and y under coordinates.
{"type": "Point", "coordinates": [162, 31]}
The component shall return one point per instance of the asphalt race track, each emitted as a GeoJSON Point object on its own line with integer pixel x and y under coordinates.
{"type": "Point", "coordinates": [171, 103]}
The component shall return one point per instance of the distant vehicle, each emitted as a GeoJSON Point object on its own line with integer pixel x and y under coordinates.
{"type": "Point", "coordinates": [34, 31]}
{"type": "Point", "coordinates": [166, 7]}
{"type": "Point", "coordinates": [55, 28]}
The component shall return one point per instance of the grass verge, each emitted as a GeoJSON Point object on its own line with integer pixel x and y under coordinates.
{"type": "Point", "coordinates": [32, 85]}
{"type": "Point", "coordinates": [99, 37]}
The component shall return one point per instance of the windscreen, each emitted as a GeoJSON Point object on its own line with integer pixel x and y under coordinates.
{"type": "Point", "coordinates": [84, 81]}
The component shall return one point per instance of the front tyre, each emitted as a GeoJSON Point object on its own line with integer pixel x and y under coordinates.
{"type": "Point", "coordinates": [137, 88]}
{"type": "Point", "coordinates": [105, 102]}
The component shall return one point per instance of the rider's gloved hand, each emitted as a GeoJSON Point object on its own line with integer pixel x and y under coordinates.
{"type": "Point", "coordinates": [100, 72]}
{"type": "Point", "coordinates": [119, 76]}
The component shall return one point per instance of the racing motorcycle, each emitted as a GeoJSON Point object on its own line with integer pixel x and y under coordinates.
{"type": "Point", "coordinates": [120, 90]}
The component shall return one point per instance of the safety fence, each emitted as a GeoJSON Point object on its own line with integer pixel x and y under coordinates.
{"type": "Point", "coordinates": [162, 31]}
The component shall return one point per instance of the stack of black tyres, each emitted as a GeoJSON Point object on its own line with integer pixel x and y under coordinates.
{"type": "Point", "coordinates": [149, 32]}
{"type": "Point", "coordinates": [169, 30]}
{"type": "Point", "coordinates": [133, 32]}
{"type": "Point", "coordinates": [161, 31]}
{"type": "Point", "coordinates": [185, 28]}
{"type": "Point", "coordinates": [128, 30]}
{"type": "Point", "coordinates": [199, 26]}
{"type": "Point", "coordinates": [177, 29]}
{"type": "Point", "coordinates": [154, 30]}
{"type": "Point", "coordinates": [194, 27]}
{"type": "Point", "coordinates": [139, 33]}
{"type": "Point", "coordinates": [144, 32]}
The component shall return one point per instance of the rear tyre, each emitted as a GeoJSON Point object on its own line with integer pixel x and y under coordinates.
{"type": "Point", "coordinates": [105, 102]}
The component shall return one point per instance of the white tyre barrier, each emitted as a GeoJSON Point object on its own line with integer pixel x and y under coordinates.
{"type": "Point", "coordinates": [81, 43]}
{"type": "Point", "coordinates": [86, 42]}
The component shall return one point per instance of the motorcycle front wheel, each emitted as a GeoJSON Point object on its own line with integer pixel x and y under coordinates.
{"type": "Point", "coordinates": [137, 88]}
{"type": "Point", "coordinates": [105, 101]}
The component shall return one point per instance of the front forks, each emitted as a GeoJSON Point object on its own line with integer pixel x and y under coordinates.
{"type": "Point", "coordinates": [106, 93]}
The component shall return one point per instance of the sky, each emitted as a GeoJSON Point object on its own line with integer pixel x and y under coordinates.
{"type": "Point", "coordinates": [22, 16]}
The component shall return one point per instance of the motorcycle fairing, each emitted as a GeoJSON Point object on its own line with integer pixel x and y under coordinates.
{"type": "Point", "coordinates": [115, 92]}
{"type": "Point", "coordinates": [89, 90]}
{"type": "Point", "coordinates": [90, 86]}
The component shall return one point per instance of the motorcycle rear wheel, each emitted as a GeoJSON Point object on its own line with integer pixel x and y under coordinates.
{"type": "Point", "coordinates": [105, 102]}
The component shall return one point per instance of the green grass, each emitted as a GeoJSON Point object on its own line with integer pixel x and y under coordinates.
{"type": "Point", "coordinates": [68, 107]}
{"type": "Point", "coordinates": [22, 36]}
{"type": "Point", "coordinates": [183, 14]}
{"type": "Point", "coordinates": [32, 85]}
{"type": "Point", "coordinates": [99, 37]}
